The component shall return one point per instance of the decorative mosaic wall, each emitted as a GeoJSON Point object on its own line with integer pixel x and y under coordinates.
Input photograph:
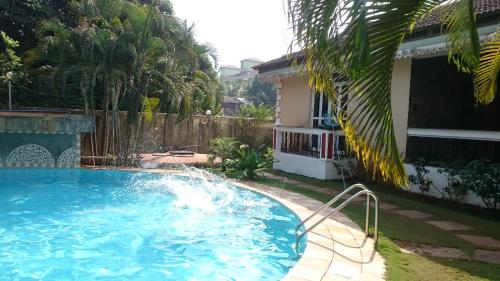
{"type": "Point", "coordinates": [45, 142]}
{"type": "Point", "coordinates": [39, 150]}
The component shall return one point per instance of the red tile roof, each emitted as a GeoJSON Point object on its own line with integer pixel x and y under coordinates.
{"type": "Point", "coordinates": [482, 8]}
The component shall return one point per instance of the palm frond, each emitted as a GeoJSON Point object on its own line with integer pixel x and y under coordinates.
{"type": "Point", "coordinates": [486, 75]}
{"type": "Point", "coordinates": [459, 21]}
{"type": "Point", "coordinates": [359, 40]}
{"type": "Point", "coordinates": [149, 106]}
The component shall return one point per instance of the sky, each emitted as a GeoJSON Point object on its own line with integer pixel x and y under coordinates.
{"type": "Point", "coordinates": [239, 29]}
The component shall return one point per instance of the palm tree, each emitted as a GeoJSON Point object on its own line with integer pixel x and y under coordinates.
{"type": "Point", "coordinates": [358, 39]}
{"type": "Point", "coordinates": [121, 54]}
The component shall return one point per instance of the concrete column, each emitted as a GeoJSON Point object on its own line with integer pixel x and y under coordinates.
{"type": "Point", "coordinates": [400, 101]}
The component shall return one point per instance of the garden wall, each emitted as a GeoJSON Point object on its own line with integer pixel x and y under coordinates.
{"type": "Point", "coordinates": [38, 139]}
{"type": "Point", "coordinates": [166, 132]}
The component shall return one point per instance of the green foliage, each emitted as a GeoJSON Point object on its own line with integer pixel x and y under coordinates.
{"type": "Point", "coordinates": [455, 189]}
{"type": "Point", "coordinates": [116, 52]}
{"type": "Point", "coordinates": [10, 62]}
{"type": "Point", "coordinates": [486, 75]}
{"type": "Point", "coordinates": [421, 178]}
{"type": "Point", "coordinates": [222, 149]}
{"type": "Point", "coordinates": [260, 112]}
{"type": "Point", "coordinates": [459, 21]}
{"type": "Point", "coordinates": [483, 179]}
{"type": "Point", "coordinates": [239, 161]}
{"type": "Point", "coordinates": [233, 88]}
{"type": "Point", "coordinates": [121, 53]}
{"type": "Point", "coordinates": [20, 19]}
{"type": "Point", "coordinates": [149, 107]}
{"type": "Point", "coordinates": [260, 92]}
{"type": "Point", "coordinates": [345, 165]}
{"type": "Point", "coordinates": [248, 162]}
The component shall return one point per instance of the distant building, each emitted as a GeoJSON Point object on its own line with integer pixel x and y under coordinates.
{"type": "Point", "coordinates": [244, 73]}
{"type": "Point", "coordinates": [236, 81]}
{"type": "Point", "coordinates": [228, 71]}
{"type": "Point", "coordinates": [232, 105]}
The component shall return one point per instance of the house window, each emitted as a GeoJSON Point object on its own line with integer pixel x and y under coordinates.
{"type": "Point", "coordinates": [324, 108]}
{"type": "Point", "coordinates": [449, 150]}
{"type": "Point", "coordinates": [443, 98]}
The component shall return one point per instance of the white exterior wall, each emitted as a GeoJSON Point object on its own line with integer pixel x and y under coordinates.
{"type": "Point", "coordinates": [439, 183]}
{"type": "Point", "coordinates": [321, 168]}
{"type": "Point", "coordinates": [305, 166]}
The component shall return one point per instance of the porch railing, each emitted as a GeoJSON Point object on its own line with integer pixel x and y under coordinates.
{"type": "Point", "coordinates": [308, 142]}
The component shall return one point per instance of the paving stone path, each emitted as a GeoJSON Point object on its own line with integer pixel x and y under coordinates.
{"type": "Point", "coordinates": [491, 255]}
{"type": "Point", "coordinates": [432, 250]}
{"type": "Point", "coordinates": [449, 225]}
{"type": "Point", "coordinates": [481, 241]}
{"type": "Point", "coordinates": [414, 214]}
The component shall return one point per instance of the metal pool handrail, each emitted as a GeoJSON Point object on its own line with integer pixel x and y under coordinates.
{"type": "Point", "coordinates": [364, 191]}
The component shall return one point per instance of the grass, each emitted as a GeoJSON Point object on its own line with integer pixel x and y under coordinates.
{"type": "Point", "coordinates": [408, 267]}
{"type": "Point", "coordinates": [394, 227]}
{"type": "Point", "coordinates": [481, 225]}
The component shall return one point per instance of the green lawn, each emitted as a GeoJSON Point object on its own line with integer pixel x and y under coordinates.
{"type": "Point", "coordinates": [395, 227]}
{"type": "Point", "coordinates": [482, 226]}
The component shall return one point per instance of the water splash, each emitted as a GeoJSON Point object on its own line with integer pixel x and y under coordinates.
{"type": "Point", "coordinates": [197, 189]}
{"type": "Point", "coordinates": [127, 226]}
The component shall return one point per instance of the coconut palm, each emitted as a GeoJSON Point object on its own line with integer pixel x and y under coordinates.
{"type": "Point", "coordinates": [358, 39]}
{"type": "Point", "coordinates": [121, 54]}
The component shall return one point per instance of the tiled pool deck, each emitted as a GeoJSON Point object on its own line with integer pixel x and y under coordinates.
{"type": "Point", "coordinates": [336, 250]}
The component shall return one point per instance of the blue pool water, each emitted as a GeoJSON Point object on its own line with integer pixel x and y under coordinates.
{"type": "Point", "coordinates": [114, 225]}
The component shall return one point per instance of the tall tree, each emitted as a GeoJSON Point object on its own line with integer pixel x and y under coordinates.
{"type": "Point", "coordinates": [19, 19]}
{"type": "Point", "coordinates": [261, 92]}
{"type": "Point", "coordinates": [122, 53]}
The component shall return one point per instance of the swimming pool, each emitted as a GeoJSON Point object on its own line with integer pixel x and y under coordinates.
{"type": "Point", "coordinates": [58, 224]}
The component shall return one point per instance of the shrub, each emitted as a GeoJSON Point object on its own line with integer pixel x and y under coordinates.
{"type": "Point", "coordinates": [345, 166]}
{"type": "Point", "coordinates": [10, 62]}
{"type": "Point", "coordinates": [224, 149]}
{"type": "Point", "coordinates": [248, 162]}
{"type": "Point", "coordinates": [421, 179]}
{"type": "Point", "coordinates": [455, 189]}
{"type": "Point", "coordinates": [483, 179]}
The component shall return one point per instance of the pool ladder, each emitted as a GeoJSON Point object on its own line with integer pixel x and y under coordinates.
{"type": "Point", "coordinates": [364, 191]}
